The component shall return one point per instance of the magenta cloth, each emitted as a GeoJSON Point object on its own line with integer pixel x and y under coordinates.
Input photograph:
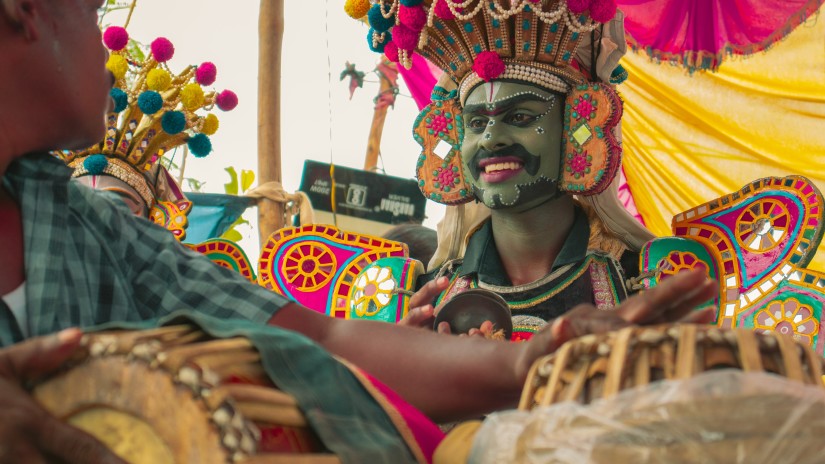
{"type": "Point", "coordinates": [626, 197]}
{"type": "Point", "coordinates": [420, 79]}
{"type": "Point", "coordinates": [698, 33]}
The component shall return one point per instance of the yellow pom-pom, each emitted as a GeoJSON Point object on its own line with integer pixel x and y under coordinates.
{"type": "Point", "coordinates": [118, 66]}
{"type": "Point", "coordinates": [210, 124]}
{"type": "Point", "coordinates": [158, 80]}
{"type": "Point", "coordinates": [357, 8]}
{"type": "Point", "coordinates": [192, 97]}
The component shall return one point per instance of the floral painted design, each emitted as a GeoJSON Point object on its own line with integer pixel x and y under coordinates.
{"type": "Point", "coordinates": [374, 290]}
{"type": "Point", "coordinates": [790, 318]}
{"type": "Point", "coordinates": [679, 261]}
{"type": "Point", "coordinates": [579, 164]}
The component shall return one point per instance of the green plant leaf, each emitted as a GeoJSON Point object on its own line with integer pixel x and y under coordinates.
{"type": "Point", "coordinates": [231, 188]}
{"type": "Point", "coordinates": [232, 235]}
{"type": "Point", "coordinates": [247, 178]}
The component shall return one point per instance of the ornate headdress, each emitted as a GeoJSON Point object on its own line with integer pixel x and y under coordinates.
{"type": "Point", "coordinates": [154, 112]}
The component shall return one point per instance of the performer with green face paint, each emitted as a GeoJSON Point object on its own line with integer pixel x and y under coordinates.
{"type": "Point", "coordinates": [525, 123]}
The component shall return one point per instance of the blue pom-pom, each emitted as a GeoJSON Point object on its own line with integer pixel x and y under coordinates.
{"type": "Point", "coordinates": [150, 102]}
{"type": "Point", "coordinates": [381, 45]}
{"type": "Point", "coordinates": [173, 122]}
{"type": "Point", "coordinates": [120, 98]}
{"type": "Point", "coordinates": [95, 164]}
{"type": "Point", "coordinates": [200, 145]}
{"type": "Point", "coordinates": [378, 21]}
{"type": "Point", "coordinates": [411, 2]}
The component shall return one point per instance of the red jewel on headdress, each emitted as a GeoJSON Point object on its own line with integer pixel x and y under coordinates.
{"type": "Point", "coordinates": [488, 65]}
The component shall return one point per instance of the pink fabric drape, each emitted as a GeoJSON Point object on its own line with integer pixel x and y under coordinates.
{"type": "Point", "coordinates": [699, 33]}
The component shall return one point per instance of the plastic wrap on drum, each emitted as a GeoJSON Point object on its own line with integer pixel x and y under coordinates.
{"type": "Point", "coordinates": [725, 416]}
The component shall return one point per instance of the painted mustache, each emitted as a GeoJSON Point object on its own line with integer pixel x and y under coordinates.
{"type": "Point", "coordinates": [530, 161]}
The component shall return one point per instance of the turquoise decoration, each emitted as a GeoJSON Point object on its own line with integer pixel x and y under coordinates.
{"type": "Point", "coordinates": [378, 21]}
{"type": "Point", "coordinates": [411, 2]}
{"type": "Point", "coordinates": [120, 98]}
{"type": "Point", "coordinates": [173, 122]}
{"type": "Point", "coordinates": [95, 164]}
{"type": "Point", "coordinates": [200, 145]}
{"type": "Point", "coordinates": [618, 75]}
{"type": "Point", "coordinates": [382, 290]}
{"type": "Point", "coordinates": [382, 44]}
{"type": "Point", "coordinates": [150, 102]}
{"type": "Point", "coordinates": [756, 243]}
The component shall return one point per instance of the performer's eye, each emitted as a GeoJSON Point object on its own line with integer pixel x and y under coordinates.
{"type": "Point", "coordinates": [520, 119]}
{"type": "Point", "coordinates": [476, 124]}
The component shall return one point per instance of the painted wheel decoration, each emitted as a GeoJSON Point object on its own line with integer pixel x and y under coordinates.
{"type": "Point", "coordinates": [790, 318]}
{"type": "Point", "coordinates": [763, 225]}
{"type": "Point", "coordinates": [679, 261]}
{"type": "Point", "coordinates": [309, 266]}
{"type": "Point", "coordinates": [373, 291]}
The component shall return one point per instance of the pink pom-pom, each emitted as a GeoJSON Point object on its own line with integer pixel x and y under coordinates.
{"type": "Point", "coordinates": [488, 65]}
{"type": "Point", "coordinates": [391, 51]}
{"type": "Point", "coordinates": [206, 73]}
{"type": "Point", "coordinates": [404, 37]}
{"type": "Point", "coordinates": [162, 49]}
{"type": "Point", "coordinates": [443, 11]}
{"type": "Point", "coordinates": [578, 6]}
{"type": "Point", "coordinates": [602, 11]}
{"type": "Point", "coordinates": [115, 38]}
{"type": "Point", "coordinates": [226, 100]}
{"type": "Point", "coordinates": [413, 17]}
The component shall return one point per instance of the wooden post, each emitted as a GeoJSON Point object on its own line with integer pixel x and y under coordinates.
{"type": "Point", "coordinates": [388, 74]}
{"type": "Point", "coordinates": [270, 37]}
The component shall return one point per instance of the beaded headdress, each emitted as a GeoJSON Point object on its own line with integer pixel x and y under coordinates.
{"type": "Point", "coordinates": [154, 111]}
{"type": "Point", "coordinates": [530, 41]}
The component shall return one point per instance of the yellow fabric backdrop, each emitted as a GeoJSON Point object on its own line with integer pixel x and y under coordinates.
{"type": "Point", "coordinates": [689, 139]}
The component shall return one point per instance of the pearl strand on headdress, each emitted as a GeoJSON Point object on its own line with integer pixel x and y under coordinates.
{"type": "Point", "coordinates": [552, 17]}
{"type": "Point", "coordinates": [454, 6]}
{"type": "Point", "coordinates": [393, 8]}
{"type": "Point", "coordinates": [575, 26]}
{"type": "Point", "coordinates": [543, 98]}
{"type": "Point", "coordinates": [498, 12]}
{"type": "Point", "coordinates": [519, 72]}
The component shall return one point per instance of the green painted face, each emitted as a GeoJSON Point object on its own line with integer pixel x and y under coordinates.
{"type": "Point", "coordinates": [511, 152]}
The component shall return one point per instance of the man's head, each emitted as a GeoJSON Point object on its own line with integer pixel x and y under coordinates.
{"type": "Point", "coordinates": [511, 152]}
{"type": "Point", "coordinates": [53, 81]}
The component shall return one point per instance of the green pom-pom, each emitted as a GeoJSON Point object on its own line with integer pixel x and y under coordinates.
{"type": "Point", "coordinates": [381, 45]}
{"type": "Point", "coordinates": [378, 21]}
{"type": "Point", "coordinates": [95, 164]}
{"type": "Point", "coordinates": [173, 122]}
{"type": "Point", "coordinates": [120, 98]}
{"type": "Point", "coordinates": [200, 145]}
{"type": "Point", "coordinates": [150, 102]}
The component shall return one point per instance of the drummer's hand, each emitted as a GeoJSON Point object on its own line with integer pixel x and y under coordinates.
{"type": "Point", "coordinates": [27, 432]}
{"type": "Point", "coordinates": [672, 300]}
{"type": "Point", "coordinates": [423, 313]}
{"type": "Point", "coordinates": [485, 330]}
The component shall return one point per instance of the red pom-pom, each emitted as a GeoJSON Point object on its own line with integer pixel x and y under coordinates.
{"type": "Point", "coordinates": [115, 38]}
{"type": "Point", "coordinates": [162, 49]}
{"type": "Point", "coordinates": [391, 51]}
{"type": "Point", "coordinates": [413, 17]}
{"type": "Point", "coordinates": [206, 73]}
{"type": "Point", "coordinates": [488, 65]}
{"type": "Point", "coordinates": [443, 11]}
{"type": "Point", "coordinates": [226, 100]}
{"type": "Point", "coordinates": [404, 37]}
{"type": "Point", "coordinates": [578, 6]}
{"type": "Point", "coordinates": [602, 11]}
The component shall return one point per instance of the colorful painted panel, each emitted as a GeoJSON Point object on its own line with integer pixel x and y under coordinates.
{"type": "Point", "coordinates": [226, 254]}
{"type": "Point", "coordinates": [317, 265]}
{"type": "Point", "coordinates": [756, 242]}
{"type": "Point", "coordinates": [383, 289]}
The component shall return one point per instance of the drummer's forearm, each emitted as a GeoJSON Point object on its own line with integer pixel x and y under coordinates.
{"type": "Point", "coordinates": [447, 377]}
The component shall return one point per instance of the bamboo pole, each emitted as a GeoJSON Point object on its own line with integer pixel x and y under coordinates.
{"type": "Point", "coordinates": [388, 74]}
{"type": "Point", "coordinates": [270, 37]}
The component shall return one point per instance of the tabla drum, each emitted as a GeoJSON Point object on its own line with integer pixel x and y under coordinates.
{"type": "Point", "coordinates": [719, 423]}
{"type": "Point", "coordinates": [176, 395]}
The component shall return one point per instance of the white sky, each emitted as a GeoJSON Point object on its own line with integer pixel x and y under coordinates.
{"type": "Point", "coordinates": [319, 122]}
